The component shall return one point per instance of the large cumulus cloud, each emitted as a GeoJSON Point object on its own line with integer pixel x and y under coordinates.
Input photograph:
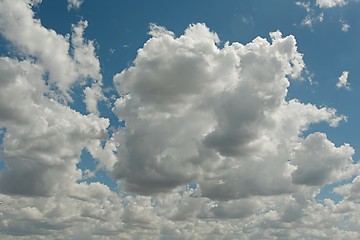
{"type": "Point", "coordinates": [218, 116]}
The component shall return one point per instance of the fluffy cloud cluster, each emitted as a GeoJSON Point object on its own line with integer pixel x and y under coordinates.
{"type": "Point", "coordinates": [43, 138]}
{"type": "Point", "coordinates": [218, 117]}
{"type": "Point", "coordinates": [65, 64]}
{"type": "Point", "coordinates": [330, 3]}
{"type": "Point", "coordinates": [213, 148]}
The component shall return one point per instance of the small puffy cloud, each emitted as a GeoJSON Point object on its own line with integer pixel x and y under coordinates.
{"type": "Point", "coordinates": [74, 4]}
{"type": "Point", "coordinates": [330, 3]}
{"type": "Point", "coordinates": [345, 27]}
{"type": "Point", "coordinates": [343, 81]}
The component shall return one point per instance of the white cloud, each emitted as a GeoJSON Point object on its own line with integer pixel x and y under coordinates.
{"type": "Point", "coordinates": [27, 33]}
{"type": "Point", "coordinates": [332, 164]}
{"type": "Point", "coordinates": [35, 2]}
{"type": "Point", "coordinates": [343, 81]}
{"type": "Point", "coordinates": [305, 5]}
{"type": "Point", "coordinates": [312, 16]}
{"type": "Point", "coordinates": [43, 139]}
{"type": "Point", "coordinates": [93, 95]}
{"type": "Point", "coordinates": [350, 191]}
{"type": "Point", "coordinates": [84, 55]}
{"type": "Point", "coordinates": [330, 3]}
{"type": "Point", "coordinates": [74, 4]}
{"type": "Point", "coordinates": [19, 26]}
{"type": "Point", "coordinates": [88, 66]}
{"type": "Point", "coordinates": [216, 116]}
{"type": "Point", "coordinates": [345, 27]}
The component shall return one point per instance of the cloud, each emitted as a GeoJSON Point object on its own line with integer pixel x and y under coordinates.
{"type": "Point", "coordinates": [332, 164]}
{"type": "Point", "coordinates": [26, 33]}
{"type": "Point", "coordinates": [343, 81]}
{"type": "Point", "coordinates": [345, 27]}
{"type": "Point", "coordinates": [350, 191]}
{"type": "Point", "coordinates": [42, 145]}
{"type": "Point", "coordinates": [35, 2]}
{"type": "Point", "coordinates": [330, 3]}
{"type": "Point", "coordinates": [88, 66]}
{"type": "Point", "coordinates": [74, 4]}
{"type": "Point", "coordinates": [84, 52]}
{"type": "Point", "coordinates": [195, 112]}
{"type": "Point", "coordinates": [213, 146]}
{"type": "Point", "coordinates": [43, 139]}
{"type": "Point", "coordinates": [312, 16]}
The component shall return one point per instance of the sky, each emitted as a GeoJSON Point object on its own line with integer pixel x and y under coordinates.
{"type": "Point", "coordinates": [179, 120]}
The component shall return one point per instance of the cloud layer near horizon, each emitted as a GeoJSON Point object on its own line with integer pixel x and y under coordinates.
{"type": "Point", "coordinates": [212, 148]}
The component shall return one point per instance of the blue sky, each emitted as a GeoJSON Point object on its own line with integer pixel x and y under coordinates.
{"type": "Point", "coordinates": [179, 120]}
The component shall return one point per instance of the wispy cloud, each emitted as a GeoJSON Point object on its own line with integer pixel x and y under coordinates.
{"type": "Point", "coordinates": [345, 27]}
{"type": "Point", "coordinates": [74, 4]}
{"type": "Point", "coordinates": [312, 16]}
